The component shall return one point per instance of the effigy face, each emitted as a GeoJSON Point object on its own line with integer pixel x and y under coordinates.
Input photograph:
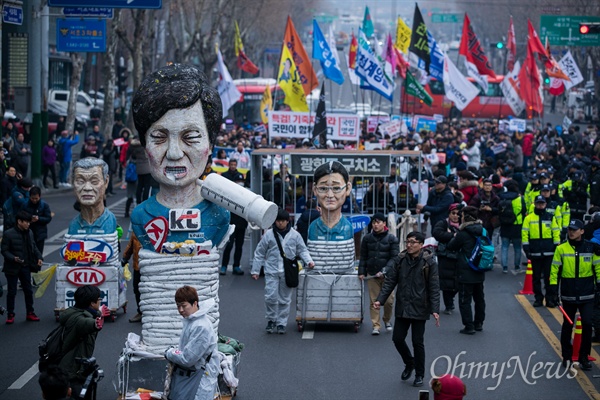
{"type": "Point", "coordinates": [331, 192]}
{"type": "Point", "coordinates": [178, 146]}
{"type": "Point", "coordinates": [89, 185]}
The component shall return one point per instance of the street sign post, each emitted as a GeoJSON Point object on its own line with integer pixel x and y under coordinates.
{"type": "Point", "coordinates": [12, 14]}
{"type": "Point", "coordinates": [76, 35]}
{"type": "Point", "coordinates": [88, 12]}
{"type": "Point", "coordinates": [444, 18]}
{"type": "Point", "coordinates": [107, 3]}
{"type": "Point", "coordinates": [563, 30]}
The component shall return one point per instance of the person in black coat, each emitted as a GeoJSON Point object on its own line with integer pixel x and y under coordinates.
{"type": "Point", "coordinates": [21, 257]}
{"type": "Point", "coordinates": [238, 235]}
{"type": "Point", "coordinates": [376, 250]}
{"type": "Point", "coordinates": [443, 232]}
{"type": "Point", "coordinates": [415, 272]}
{"type": "Point", "coordinates": [306, 218]}
{"type": "Point", "coordinates": [470, 282]}
{"type": "Point", "coordinates": [40, 216]}
{"type": "Point", "coordinates": [440, 198]}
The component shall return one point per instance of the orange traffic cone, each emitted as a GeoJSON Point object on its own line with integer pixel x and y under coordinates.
{"type": "Point", "coordinates": [577, 341]}
{"type": "Point", "coordinates": [528, 284]}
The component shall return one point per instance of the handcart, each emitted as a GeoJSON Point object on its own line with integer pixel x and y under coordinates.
{"type": "Point", "coordinates": [329, 297]}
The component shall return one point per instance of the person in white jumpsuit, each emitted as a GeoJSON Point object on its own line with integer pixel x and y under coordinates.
{"type": "Point", "coordinates": [196, 363]}
{"type": "Point", "coordinates": [278, 296]}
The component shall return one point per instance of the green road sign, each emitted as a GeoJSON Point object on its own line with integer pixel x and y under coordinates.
{"type": "Point", "coordinates": [441, 18]}
{"type": "Point", "coordinates": [563, 30]}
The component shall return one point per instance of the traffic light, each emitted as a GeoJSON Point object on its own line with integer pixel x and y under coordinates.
{"type": "Point", "coordinates": [122, 78]}
{"type": "Point", "coordinates": [547, 81]}
{"type": "Point", "coordinates": [586, 28]}
{"type": "Point", "coordinates": [500, 45]}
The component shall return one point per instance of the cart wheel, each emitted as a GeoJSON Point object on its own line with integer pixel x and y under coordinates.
{"type": "Point", "coordinates": [125, 309]}
{"type": "Point", "coordinates": [356, 326]}
{"type": "Point", "coordinates": [300, 327]}
{"type": "Point", "coordinates": [113, 317]}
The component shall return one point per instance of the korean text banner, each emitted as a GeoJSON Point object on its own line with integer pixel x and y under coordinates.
{"type": "Point", "coordinates": [299, 125]}
{"type": "Point", "coordinates": [356, 164]}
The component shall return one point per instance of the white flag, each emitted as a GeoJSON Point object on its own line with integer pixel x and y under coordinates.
{"type": "Point", "coordinates": [473, 72]}
{"type": "Point", "coordinates": [569, 67]}
{"type": "Point", "coordinates": [458, 88]}
{"type": "Point", "coordinates": [227, 90]}
{"type": "Point", "coordinates": [510, 89]}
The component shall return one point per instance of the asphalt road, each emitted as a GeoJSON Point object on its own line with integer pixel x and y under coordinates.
{"type": "Point", "coordinates": [516, 356]}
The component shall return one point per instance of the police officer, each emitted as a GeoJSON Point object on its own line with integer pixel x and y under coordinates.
{"type": "Point", "coordinates": [576, 268]}
{"type": "Point", "coordinates": [540, 236]}
{"type": "Point", "coordinates": [575, 193]}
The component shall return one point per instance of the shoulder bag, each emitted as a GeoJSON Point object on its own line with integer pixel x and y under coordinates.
{"type": "Point", "coordinates": [291, 267]}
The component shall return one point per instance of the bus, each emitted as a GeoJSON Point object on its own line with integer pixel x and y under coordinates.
{"type": "Point", "coordinates": [490, 104]}
{"type": "Point", "coordinates": [252, 90]}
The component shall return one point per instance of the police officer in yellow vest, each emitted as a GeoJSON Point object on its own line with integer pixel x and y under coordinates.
{"type": "Point", "coordinates": [540, 236]}
{"type": "Point", "coordinates": [576, 269]}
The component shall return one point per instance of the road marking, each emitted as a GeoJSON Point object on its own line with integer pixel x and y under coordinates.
{"type": "Point", "coordinates": [49, 249]}
{"type": "Point", "coordinates": [309, 331]}
{"type": "Point", "coordinates": [559, 317]}
{"type": "Point", "coordinates": [26, 377]}
{"type": "Point", "coordinates": [538, 320]}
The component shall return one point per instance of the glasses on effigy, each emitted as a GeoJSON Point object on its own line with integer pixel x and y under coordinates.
{"type": "Point", "coordinates": [334, 189]}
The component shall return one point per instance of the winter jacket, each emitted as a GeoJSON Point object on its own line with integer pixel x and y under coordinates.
{"type": "Point", "coordinates": [133, 249]}
{"type": "Point", "coordinates": [267, 252]}
{"type": "Point", "coordinates": [138, 153]}
{"type": "Point", "coordinates": [540, 235]}
{"type": "Point", "coordinates": [80, 338]}
{"type": "Point", "coordinates": [48, 155]}
{"type": "Point", "coordinates": [42, 210]}
{"type": "Point", "coordinates": [577, 269]}
{"type": "Point", "coordinates": [67, 150]}
{"type": "Point", "coordinates": [595, 188]}
{"type": "Point", "coordinates": [486, 216]}
{"type": "Point", "coordinates": [197, 350]}
{"type": "Point", "coordinates": [527, 144]}
{"type": "Point", "coordinates": [469, 189]}
{"type": "Point", "coordinates": [110, 156]}
{"type": "Point", "coordinates": [513, 231]}
{"type": "Point", "coordinates": [447, 259]}
{"type": "Point", "coordinates": [418, 293]}
{"type": "Point", "coordinates": [474, 155]}
{"type": "Point", "coordinates": [18, 243]}
{"type": "Point", "coordinates": [437, 205]}
{"type": "Point", "coordinates": [306, 218]}
{"type": "Point", "coordinates": [376, 249]}
{"type": "Point", "coordinates": [463, 243]}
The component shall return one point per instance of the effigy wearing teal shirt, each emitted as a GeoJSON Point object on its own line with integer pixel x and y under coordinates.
{"type": "Point", "coordinates": [214, 223]}
{"type": "Point", "coordinates": [341, 231]}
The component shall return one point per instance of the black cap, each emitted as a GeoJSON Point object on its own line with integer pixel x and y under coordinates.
{"type": "Point", "coordinates": [575, 224]}
{"type": "Point", "coordinates": [534, 177]}
{"type": "Point", "coordinates": [540, 199]}
{"type": "Point", "coordinates": [441, 179]}
{"type": "Point", "coordinates": [546, 187]}
{"type": "Point", "coordinates": [544, 175]}
{"type": "Point", "coordinates": [596, 163]}
{"type": "Point", "coordinates": [378, 216]}
{"type": "Point", "coordinates": [24, 183]}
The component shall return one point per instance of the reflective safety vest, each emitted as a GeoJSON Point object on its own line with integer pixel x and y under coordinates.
{"type": "Point", "coordinates": [541, 233]}
{"type": "Point", "coordinates": [519, 208]}
{"type": "Point", "coordinates": [577, 271]}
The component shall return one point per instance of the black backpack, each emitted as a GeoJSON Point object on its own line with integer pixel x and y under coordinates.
{"type": "Point", "coordinates": [507, 214]}
{"type": "Point", "coordinates": [51, 348]}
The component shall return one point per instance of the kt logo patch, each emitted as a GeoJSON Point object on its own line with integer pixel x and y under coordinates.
{"type": "Point", "coordinates": [184, 219]}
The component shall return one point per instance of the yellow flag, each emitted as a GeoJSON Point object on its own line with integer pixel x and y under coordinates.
{"type": "Point", "coordinates": [239, 46]}
{"type": "Point", "coordinates": [42, 279]}
{"type": "Point", "coordinates": [289, 82]}
{"type": "Point", "coordinates": [266, 104]}
{"type": "Point", "coordinates": [403, 33]}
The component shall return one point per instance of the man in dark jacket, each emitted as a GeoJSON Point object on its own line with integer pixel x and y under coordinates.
{"type": "Point", "coordinates": [82, 323]}
{"type": "Point", "coordinates": [376, 250]}
{"type": "Point", "coordinates": [40, 217]}
{"type": "Point", "coordinates": [470, 282]}
{"type": "Point", "coordinates": [21, 257]}
{"type": "Point", "coordinates": [443, 232]}
{"type": "Point", "coordinates": [237, 237]}
{"type": "Point", "coordinates": [415, 272]}
{"type": "Point", "coordinates": [438, 201]}
{"type": "Point", "coordinates": [595, 184]}
{"type": "Point", "coordinates": [486, 201]}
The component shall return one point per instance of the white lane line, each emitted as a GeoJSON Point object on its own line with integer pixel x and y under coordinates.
{"type": "Point", "coordinates": [26, 377]}
{"type": "Point", "coordinates": [309, 330]}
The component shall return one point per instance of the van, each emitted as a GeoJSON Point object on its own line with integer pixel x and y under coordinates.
{"type": "Point", "coordinates": [84, 102]}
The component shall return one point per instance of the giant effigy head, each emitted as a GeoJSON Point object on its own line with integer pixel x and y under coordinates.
{"type": "Point", "coordinates": [90, 180]}
{"type": "Point", "coordinates": [331, 186]}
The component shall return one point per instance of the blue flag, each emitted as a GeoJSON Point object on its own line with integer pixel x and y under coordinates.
{"type": "Point", "coordinates": [436, 67]}
{"type": "Point", "coordinates": [323, 53]}
{"type": "Point", "coordinates": [369, 68]}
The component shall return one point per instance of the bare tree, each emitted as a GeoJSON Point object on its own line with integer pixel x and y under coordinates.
{"type": "Point", "coordinates": [77, 62]}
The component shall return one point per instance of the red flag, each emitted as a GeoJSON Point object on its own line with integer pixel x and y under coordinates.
{"type": "Point", "coordinates": [557, 87]}
{"type": "Point", "coordinates": [552, 68]}
{"type": "Point", "coordinates": [529, 82]}
{"type": "Point", "coordinates": [244, 63]}
{"type": "Point", "coordinates": [352, 52]}
{"type": "Point", "coordinates": [511, 47]}
{"type": "Point", "coordinates": [472, 50]}
{"type": "Point", "coordinates": [306, 73]}
{"type": "Point", "coordinates": [401, 65]}
{"type": "Point", "coordinates": [535, 42]}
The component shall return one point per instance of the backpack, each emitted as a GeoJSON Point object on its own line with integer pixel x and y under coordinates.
{"type": "Point", "coordinates": [507, 214]}
{"type": "Point", "coordinates": [8, 214]}
{"type": "Point", "coordinates": [131, 173]}
{"type": "Point", "coordinates": [482, 256]}
{"type": "Point", "coordinates": [50, 349]}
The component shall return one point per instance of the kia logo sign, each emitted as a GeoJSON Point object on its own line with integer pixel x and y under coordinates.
{"type": "Point", "coordinates": [86, 276]}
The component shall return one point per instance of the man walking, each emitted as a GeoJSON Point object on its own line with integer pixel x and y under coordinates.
{"type": "Point", "coordinates": [440, 198]}
{"type": "Point", "coordinates": [415, 272]}
{"type": "Point", "coordinates": [376, 250]}
{"type": "Point", "coordinates": [238, 235]}
{"type": "Point", "coordinates": [40, 217]}
{"type": "Point", "coordinates": [21, 258]}
{"type": "Point", "coordinates": [577, 269]}
{"type": "Point", "coordinates": [540, 236]}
